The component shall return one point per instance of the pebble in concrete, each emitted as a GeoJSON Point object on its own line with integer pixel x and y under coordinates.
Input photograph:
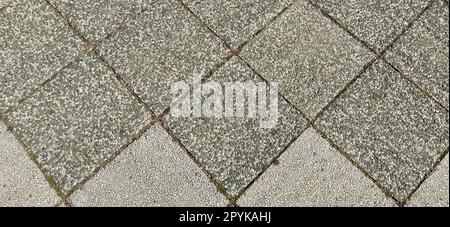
{"type": "Point", "coordinates": [311, 58]}
{"type": "Point", "coordinates": [422, 53]}
{"type": "Point", "coordinates": [375, 22]}
{"type": "Point", "coordinates": [434, 191]}
{"type": "Point", "coordinates": [389, 128]}
{"type": "Point", "coordinates": [312, 173]}
{"type": "Point", "coordinates": [237, 21]}
{"type": "Point", "coordinates": [153, 171]}
{"type": "Point", "coordinates": [34, 44]}
{"type": "Point", "coordinates": [21, 182]}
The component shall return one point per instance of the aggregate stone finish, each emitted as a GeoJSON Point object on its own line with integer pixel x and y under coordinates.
{"type": "Point", "coordinates": [377, 23]}
{"type": "Point", "coordinates": [153, 171]}
{"type": "Point", "coordinates": [422, 53]}
{"type": "Point", "coordinates": [235, 150]}
{"type": "Point", "coordinates": [237, 21]}
{"type": "Point", "coordinates": [162, 46]}
{"type": "Point", "coordinates": [311, 58]}
{"type": "Point", "coordinates": [4, 3]}
{"type": "Point", "coordinates": [34, 44]}
{"type": "Point", "coordinates": [389, 128]}
{"type": "Point", "coordinates": [21, 182]}
{"type": "Point", "coordinates": [434, 191]}
{"type": "Point", "coordinates": [98, 18]}
{"type": "Point", "coordinates": [77, 121]}
{"type": "Point", "coordinates": [311, 173]}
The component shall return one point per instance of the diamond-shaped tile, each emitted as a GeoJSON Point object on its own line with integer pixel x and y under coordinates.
{"type": "Point", "coordinates": [76, 121]}
{"type": "Point", "coordinates": [236, 21]}
{"type": "Point", "coordinates": [235, 150]}
{"type": "Point", "coordinates": [375, 22]}
{"type": "Point", "coordinates": [389, 128]}
{"type": "Point", "coordinates": [163, 45]}
{"type": "Point", "coordinates": [34, 44]}
{"type": "Point", "coordinates": [97, 18]}
{"type": "Point", "coordinates": [312, 58]}
{"type": "Point", "coordinates": [422, 53]}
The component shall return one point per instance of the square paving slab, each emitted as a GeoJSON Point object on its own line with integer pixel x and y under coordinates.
{"type": "Point", "coordinates": [312, 173]}
{"type": "Point", "coordinates": [76, 121]}
{"type": "Point", "coordinates": [162, 46]}
{"type": "Point", "coordinates": [310, 57]}
{"type": "Point", "coordinates": [237, 21]}
{"type": "Point", "coordinates": [153, 171]}
{"type": "Point", "coordinates": [375, 22]}
{"type": "Point", "coordinates": [389, 128]}
{"type": "Point", "coordinates": [34, 44]}
{"type": "Point", "coordinates": [422, 53]}
{"type": "Point", "coordinates": [235, 150]}
{"type": "Point", "coordinates": [98, 18]}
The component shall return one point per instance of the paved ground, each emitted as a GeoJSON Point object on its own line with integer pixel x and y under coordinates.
{"type": "Point", "coordinates": [85, 92]}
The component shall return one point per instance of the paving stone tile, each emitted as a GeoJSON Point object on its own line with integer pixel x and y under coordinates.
{"type": "Point", "coordinates": [312, 58]}
{"type": "Point", "coordinates": [98, 18]}
{"type": "Point", "coordinates": [34, 44]}
{"type": "Point", "coordinates": [235, 150]}
{"type": "Point", "coordinates": [422, 53]}
{"type": "Point", "coordinates": [21, 182]}
{"type": "Point", "coordinates": [153, 171]}
{"type": "Point", "coordinates": [434, 191]}
{"type": "Point", "coordinates": [237, 21]}
{"type": "Point", "coordinates": [76, 121]}
{"type": "Point", "coordinates": [375, 22]}
{"type": "Point", "coordinates": [165, 44]}
{"type": "Point", "coordinates": [312, 173]}
{"type": "Point", "coordinates": [389, 128]}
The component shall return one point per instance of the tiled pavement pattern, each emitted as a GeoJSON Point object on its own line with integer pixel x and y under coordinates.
{"type": "Point", "coordinates": [85, 85]}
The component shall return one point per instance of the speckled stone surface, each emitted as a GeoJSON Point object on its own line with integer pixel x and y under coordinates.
{"type": "Point", "coordinates": [311, 173]}
{"type": "Point", "coordinates": [162, 46]}
{"type": "Point", "coordinates": [235, 150]}
{"type": "Point", "coordinates": [375, 22]}
{"type": "Point", "coordinates": [389, 128]}
{"type": "Point", "coordinates": [312, 58]}
{"type": "Point", "coordinates": [422, 53]}
{"type": "Point", "coordinates": [34, 44]}
{"type": "Point", "coordinates": [153, 171]}
{"type": "Point", "coordinates": [4, 3]}
{"type": "Point", "coordinates": [237, 21]}
{"type": "Point", "coordinates": [76, 121]}
{"type": "Point", "coordinates": [434, 191]}
{"type": "Point", "coordinates": [21, 182]}
{"type": "Point", "coordinates": [98, 18]}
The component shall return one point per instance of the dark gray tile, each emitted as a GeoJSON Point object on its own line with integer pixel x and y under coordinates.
{"type": "Point", "coordinates": [375, 22]}
{"type": "Point", "coordinates": [34, 44]}
{"type": "Point", "coordinates": [389, 128]}
{"type": "Point", "coordinates": [422, 53]}
{"type": "Point", "coordinates": [311, 58]}
{"type": "Point", "coordinates": [97, 18]}
{"type": "Point", "coordinates": [238, 20]}
{"type": "Point", "coordinates": [235, 150]}
{"type": "Point", "coordinates": [76, 121]}
{"type": "Point", "coordinates": [163, 45]}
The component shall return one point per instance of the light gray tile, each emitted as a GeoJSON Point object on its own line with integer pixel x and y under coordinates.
{"type": "Point", "coordinates": [76, 121]}
{"type": "Point", "coordinates": [422, 53]}
{"type": "Point", "coordinates": [165, 44]}
{"type": "Point", "coordinates": [389, 128]}
{"type": "Point", "coordinates": [34, 44]}
{"type": "Point", "coordinates": [98, 18]}
{"type": "Point", "coordinates": [434, 191]}
{"type": "Point", "coordinates": [375, 22]}
{"type": "Point", "coordinates": [312, 173]}
{"type": "Point", "coordinates": [235, 150]}
{"type": "Point", "coordinates": [237, 21]}
{"type": "Point", "coordinates": [153, 171]}
{"type": "Point", "coordinates": [21, 182]}
{"type": "Point", "coordinates": [311, 57]}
